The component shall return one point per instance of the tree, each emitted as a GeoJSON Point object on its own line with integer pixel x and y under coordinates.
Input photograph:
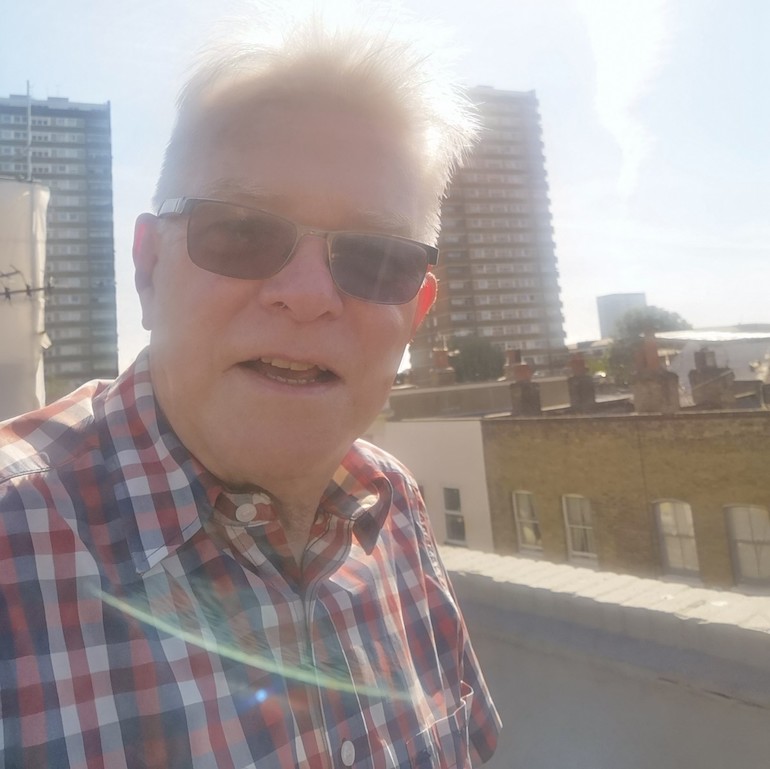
{"type": "Point", "coordinates": [475, 359]}
{"type": "Point", "coordinates": [638, 321]}
{"type": "Point", "coordinates": [628, 331]}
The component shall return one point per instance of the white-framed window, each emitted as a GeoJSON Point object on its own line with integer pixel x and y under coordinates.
{"type": "Point", "coordinates": [578, 522]}
{"type": "Point", "coordinates": [68, 122]}
{"type": "Point", "coordinates": [103, 348]}
{"type": "Point", "coordinates": [527, 524]}
{"type": "Point", "coordinates": [677, 536]}
{"type": "Point", "coordinates": [453, 518]}
{"type": "Point", "coordinates": [69, 367]}
{"type": "Point", "coordinates": [70, 282]}
{"type": "Point", "coordinates": [68, 332]}
{"type": "Point", "coordinates": [103, 314]}
{"type": "Point", "coordinates": [68, 316]}
{"type": "Point", "coordinates": [748, 527]}
{"type": "Point", "coordinates": [72, 349]}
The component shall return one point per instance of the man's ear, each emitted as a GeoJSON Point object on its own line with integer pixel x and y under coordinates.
{"type": "Point", "coordinates": [425, 299]}
{"type": "Point", "coordinates": [146, 243]}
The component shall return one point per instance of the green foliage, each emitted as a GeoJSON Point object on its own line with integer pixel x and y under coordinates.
{"type": "Point", "coordinates": [638, 321]}
{"type": "Point", "coordinates": [620, 361]}
{"type": "Point", "coordinates": [598, 365]}
{"type": "Point", "coordinates": [628, 332]}
{"type": "Point", "coordinates": [475, 359]}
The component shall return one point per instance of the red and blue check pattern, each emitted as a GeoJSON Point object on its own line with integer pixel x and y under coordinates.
{"type": "Point", "coordinates": [142, 626]}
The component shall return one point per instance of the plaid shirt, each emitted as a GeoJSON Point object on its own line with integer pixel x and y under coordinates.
{"type": "Point", "coordinates": [141, 625]}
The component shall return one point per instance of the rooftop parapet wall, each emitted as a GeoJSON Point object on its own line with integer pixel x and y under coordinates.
{"type": "Point", "coordinates": [594, 670]}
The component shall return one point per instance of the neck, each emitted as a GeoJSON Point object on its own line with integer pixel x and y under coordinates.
{"type": "Point", "coordinates": [296, 504]}
{"type": "Point", "coordinates": [297, 522]}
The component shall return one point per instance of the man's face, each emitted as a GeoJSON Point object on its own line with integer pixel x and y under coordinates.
{"type": "Point", "coordinates": [269, 380]}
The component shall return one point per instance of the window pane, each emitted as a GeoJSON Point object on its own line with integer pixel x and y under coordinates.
{"type": "Point", "coordinates": [749, 527]}
{"type": "Point", "coordinates": [451, 499]}
{"type": "Point", "coordinates": [525, 516]}
{"type": "Point", "coordinates": [578, 511]}
{"type": "Point", "coordinates": [455, 528]}
{"type": "Point", "coordinates": [747, 561]}
{"type": "Point", "coordinates": [577, 516]}
{"type": "Point", "coordinates": [523, 505]}
{"type": "Point", "coordinates": [675, 522]}
{"type": "Point", "coordinates": [760, 524]}
{"type": "Point", "coordinates": [674, 554]}
{"type": "Point", "coordinates": [684, 520]}
{"type": "Point", "coordinates": [582, 540]}
{"type": "Point", "coordinates": [530, 535]}
{"type": "Point", "coordinates": [741, 523]}
{"type": "Point", "coordinates": [690, 555]}
{"type": "Point", "coordinates": [667, 519]}
{"type": "Point", "coordinates": [763, 561]}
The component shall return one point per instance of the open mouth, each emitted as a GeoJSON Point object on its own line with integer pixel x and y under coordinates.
{"type": "Point", "coordinates": [289, 371]}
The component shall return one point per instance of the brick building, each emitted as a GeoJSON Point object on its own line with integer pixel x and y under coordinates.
{"type": "Point", "coordinates": [684, 496]}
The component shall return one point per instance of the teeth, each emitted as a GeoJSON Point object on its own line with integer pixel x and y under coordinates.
{"type": "Point", "coordinates": [290, 365]}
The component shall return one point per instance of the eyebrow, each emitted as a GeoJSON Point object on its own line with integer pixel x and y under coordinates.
{"type": "Point", "coordinates": [256, 196]}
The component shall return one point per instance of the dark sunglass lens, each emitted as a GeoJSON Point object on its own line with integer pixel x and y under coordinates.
{"type": "Point", "coordinates": [238, 242]}
{"type": "Point", "coordinates": [378, 269]}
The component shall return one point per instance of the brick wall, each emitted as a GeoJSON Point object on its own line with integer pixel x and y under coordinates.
{"type": "Point", "coordinates": [622, 464]}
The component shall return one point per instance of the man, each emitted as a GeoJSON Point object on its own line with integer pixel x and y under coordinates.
{"type": "Point", "coordinates": [199, 565]}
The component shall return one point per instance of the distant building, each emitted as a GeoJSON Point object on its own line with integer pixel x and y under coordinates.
{"type": "Point", "coordinates": [613, 307]}
{"type": "Point", "coordinates": [66, 145]}
{"type": "Point", "coordinates": [497, 271]}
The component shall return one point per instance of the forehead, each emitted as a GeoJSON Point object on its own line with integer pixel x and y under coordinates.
{"type": "Point", "coordinates": [314, 162]}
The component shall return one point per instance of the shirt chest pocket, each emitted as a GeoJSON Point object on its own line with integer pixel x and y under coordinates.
{"type": "Point", "coordinates": [444, 744]}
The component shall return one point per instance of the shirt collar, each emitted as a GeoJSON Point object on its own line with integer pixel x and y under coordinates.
{"type": "Point", "coordinates": [161, 491]}
{"type": "Point", "coordinates": [360, 493]}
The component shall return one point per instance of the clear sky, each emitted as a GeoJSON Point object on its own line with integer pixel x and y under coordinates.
{"type": "Point", "coordinates": [656, 123]}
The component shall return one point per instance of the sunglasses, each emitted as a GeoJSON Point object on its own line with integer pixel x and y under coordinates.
{"type": "Point", "coordinates": [247, 243]}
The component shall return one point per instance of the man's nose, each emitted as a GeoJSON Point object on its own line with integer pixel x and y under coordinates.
{"type": "Point", "coordinates": [304, 287]}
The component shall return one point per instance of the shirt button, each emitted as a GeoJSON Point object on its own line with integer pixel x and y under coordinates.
{"type": "Point", "coordinates": [348, 753]}
{"type": "Point", "coordinates": [246, 512]}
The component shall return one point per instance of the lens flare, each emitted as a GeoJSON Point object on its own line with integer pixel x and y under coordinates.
{"type": "Point", "coordinates": [301, 673]}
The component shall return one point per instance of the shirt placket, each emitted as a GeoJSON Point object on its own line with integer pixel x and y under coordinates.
{"type": "Point", "coordinates": [333, 692]}
{"type": "Point", "coordinates": [330, 542]}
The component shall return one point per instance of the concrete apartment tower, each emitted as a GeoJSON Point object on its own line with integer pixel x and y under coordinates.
{"type": "Point", "coordinates": [497, 271]}
{"type": "Point", "coordinates": [612, 307]}
{"type": "Point", "coordinates": [66, 146]}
